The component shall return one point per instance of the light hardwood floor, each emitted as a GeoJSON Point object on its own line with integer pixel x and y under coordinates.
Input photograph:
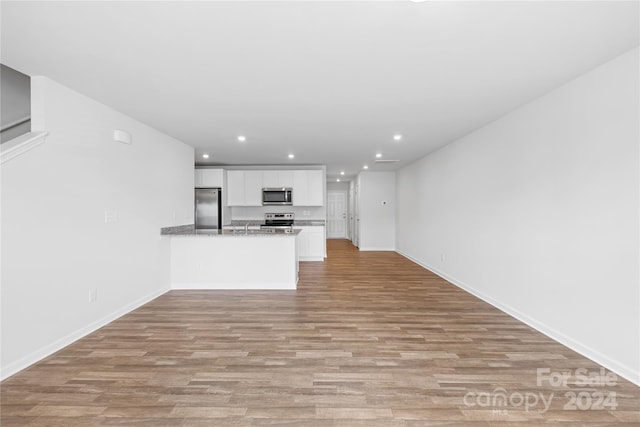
{"type": "Point", "coordinates": [369, 339]}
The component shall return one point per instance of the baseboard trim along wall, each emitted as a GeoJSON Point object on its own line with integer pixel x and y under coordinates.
{"type": "Point", "coordinates": [373, 248]}
{"type": "Point", "coordinates": [612, 365]}
{"type": "Point", "coordinates": [233, 286]}
{"type": "Point", "coordinates": [48, 350]}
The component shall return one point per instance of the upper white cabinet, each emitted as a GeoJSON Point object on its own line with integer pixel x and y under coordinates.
{"type": "Point", "coordinates": [209, 178]}
{"type": "Point", "coordinates": [253, 188]}
{"type": "Point", "coordinates": [276, 179]}
{"type": "Point", "coordinates": [235, 188]}
{"type": "Point", "coordinates": [315, 188]}
{"type": "Point", "coordinates": [244, 187]}
{"type": "Point", "coordinates": [308, 188]}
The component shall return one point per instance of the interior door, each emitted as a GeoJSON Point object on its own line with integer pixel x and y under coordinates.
{"type": "Point", "coordinates": [336, 215]}
{"type": "Point", "coordinates": [356, 211]}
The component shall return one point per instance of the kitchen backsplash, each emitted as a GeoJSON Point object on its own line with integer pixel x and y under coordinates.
{"type": "Point", "coordinates": [301, 212]}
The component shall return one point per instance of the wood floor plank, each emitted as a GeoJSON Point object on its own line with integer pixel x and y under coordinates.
{"type": "Point", "coordinates": [368, 339]}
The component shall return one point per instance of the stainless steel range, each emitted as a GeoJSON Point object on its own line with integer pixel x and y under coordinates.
{"type": "Point", "coordinates": [278, 220]}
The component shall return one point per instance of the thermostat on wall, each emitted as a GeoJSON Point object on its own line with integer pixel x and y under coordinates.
{"type": "Point", "coordinates": [122, 136]}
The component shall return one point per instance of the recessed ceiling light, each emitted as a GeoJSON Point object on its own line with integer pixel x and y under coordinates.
{"type": "Point", "coordinates": [365, 167]}
{"type": "Point", "coordinates": [205, 156]}
{"type": "Point", "coordinates": [378, 155]}
{"type": "Point", "coordinates": [397, 137]}
{"type": "Point", "coordinates": [291, 156]}
{"type": "Point", "coordinates": [242, 138]}
{"type": "Point", "coordinates": [338, 180]}
{"type": "Point", "coordinates": [342, 173]}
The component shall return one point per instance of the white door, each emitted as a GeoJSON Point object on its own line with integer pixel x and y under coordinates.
{"type": "Point", "coordinates": [356, 211]}
{"type": "Point", "coordinates": [336, 215]}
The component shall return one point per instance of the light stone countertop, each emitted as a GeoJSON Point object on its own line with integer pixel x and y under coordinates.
{"type": "Point", "coordinates": [190, 231]}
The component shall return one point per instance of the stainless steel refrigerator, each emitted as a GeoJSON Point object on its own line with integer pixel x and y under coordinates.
{"type": "Point", "coordinates": [208, 209]}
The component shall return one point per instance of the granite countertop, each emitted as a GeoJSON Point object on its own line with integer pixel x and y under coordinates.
{"type": "Point", "coordinates": [189, 230]}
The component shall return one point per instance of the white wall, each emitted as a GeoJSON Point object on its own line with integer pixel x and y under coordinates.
{"type": "Point", "coordinates": [377, 220]}
{"type": "Point", "coordinates": [538, 214]}
{"type": "Point", "coordinates": [56, 246]}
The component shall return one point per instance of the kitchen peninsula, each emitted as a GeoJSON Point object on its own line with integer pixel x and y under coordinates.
{"type": "Point", "coordinates": [233, 259]}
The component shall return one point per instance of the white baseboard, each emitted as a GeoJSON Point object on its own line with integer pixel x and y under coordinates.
{"type": "Point", "coordinates": [311, 258]}
{"type": "Point", "coordinates": [613, 365]}
{"type": "Point", "coordinates": [374, 248]}
{"type": "Point", "coordinates": [233, 286]}
{"type": "Point", "coordinates": [38, 355]}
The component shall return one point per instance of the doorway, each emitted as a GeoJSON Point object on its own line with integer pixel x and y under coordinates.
{"type": "Point", "coordinates": [337, 215]}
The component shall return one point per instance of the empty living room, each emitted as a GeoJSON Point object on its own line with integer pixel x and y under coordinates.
{"type": "Point", "coordinates": [320, 213]}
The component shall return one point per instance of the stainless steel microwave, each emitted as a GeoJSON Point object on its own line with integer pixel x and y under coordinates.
{"type": "Point", "coordinates": [277, 196]}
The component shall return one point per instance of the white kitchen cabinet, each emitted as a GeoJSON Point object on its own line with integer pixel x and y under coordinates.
{"type": "Point", "coordinates": [277, 179]}
{"type": "Point", "coordinates": [253, 188]}
{"type": "Point", "coordinates": [235, 188]}
{"type": "Point", "coordinates": [285, 179]}
{"type": "Point", "coordinates": [308, 188]}
{"type": "Point", "coordinates": [315, 188]}
{"type": "Point", "coordinates": [207, 178]}
{"type": "Point", "coordinates": [311, 243]}
{"type": "Point", "coordinates": [244, 188]}
{"type": "Point", "coordinates": [270, 178]}
{"type": "Point", "coordinates": [300, 180]}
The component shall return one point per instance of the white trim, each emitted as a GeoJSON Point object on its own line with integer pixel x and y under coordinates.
{"type": "Point", "coordinates": [373, 248]}
{"type": "Point", "coordinates": [38, 355]}
{"type": "Point", "coordinates": [624, 371]}
{"type": "Point", "coordinates": [233, 286]}
{"type": "Point", "coordinates": [20, 145]}
{"type": "Point", "coordinates": [310, 258]}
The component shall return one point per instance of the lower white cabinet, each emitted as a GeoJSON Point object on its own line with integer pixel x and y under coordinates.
{"type": "Point", "coordinates": [311, 243]}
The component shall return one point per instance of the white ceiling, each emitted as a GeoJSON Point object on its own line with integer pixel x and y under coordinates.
{"type": "Point", "coordinates": [331, 82]}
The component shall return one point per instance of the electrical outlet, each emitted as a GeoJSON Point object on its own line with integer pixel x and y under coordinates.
{"type": "Point", "coordinates": [442, 257]}
{"type": "Point", "coordinates": [93, 295]}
